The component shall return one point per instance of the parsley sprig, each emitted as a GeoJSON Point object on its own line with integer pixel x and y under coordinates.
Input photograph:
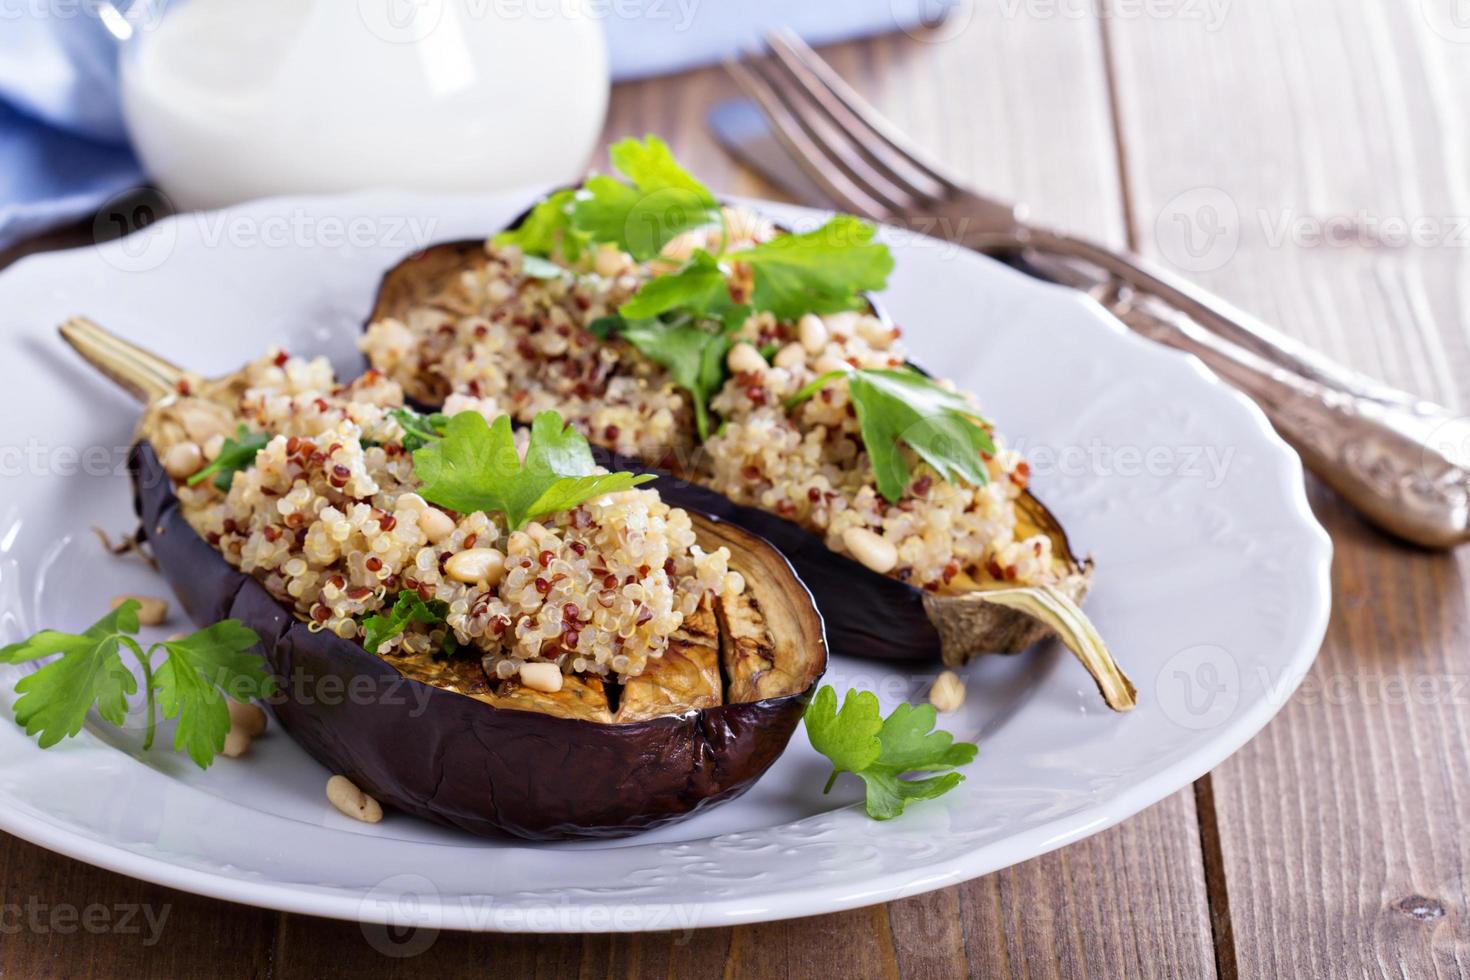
{"type": "Point", "coordinates": [475, 467]}
{"type": "Point", "coordinates": [900, 405]}
{"type": "Point", "coordinates": [820, 271]}
{"type": "Point", "coordinates": [234, 455]}
{"type": "Point", "coordinates": [684, 320]}
{"type": "Point", "coordinates": [658, 201]}
{"type": "Point", "coordinates": [825, 270]}
{"type": "Point", "coordinates": [190, 683]}
{"type": "Point", "coordinates": [409, 607]}
{"type": "Point", "coordinates": [859, 740]}
{"type": "Point", "coordinates": [419, 430]}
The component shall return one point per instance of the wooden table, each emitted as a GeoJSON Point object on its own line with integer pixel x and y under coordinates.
{"type": "Point", "coordinates": [1335, 843]}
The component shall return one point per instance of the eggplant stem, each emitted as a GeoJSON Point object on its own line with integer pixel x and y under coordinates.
{"type": "Point", "coordinates": [142, 374]}
{"type": "Point", "coordinates": [1052, 606]}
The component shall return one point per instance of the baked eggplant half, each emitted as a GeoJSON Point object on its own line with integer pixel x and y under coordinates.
{"type": "Point", "coordinates": [934, 569]}
{"type": "Point", "coordinates": [593, 671]}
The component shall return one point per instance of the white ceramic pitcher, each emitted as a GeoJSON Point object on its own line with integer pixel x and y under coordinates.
{"type": "Point", "coordinates": [228, 100]}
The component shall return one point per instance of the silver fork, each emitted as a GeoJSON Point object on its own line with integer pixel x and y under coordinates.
{"type": "Point", "coordinates": [1400, 460]}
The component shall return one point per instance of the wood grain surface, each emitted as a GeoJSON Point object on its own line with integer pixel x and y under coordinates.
{"type": "Point", "coordinates": [1342, 827]}
{"type": "Point", "coordinates": [1335, 843]}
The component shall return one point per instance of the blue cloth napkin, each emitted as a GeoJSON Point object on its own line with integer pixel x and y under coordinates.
{"type": "Point", "coordinates": [63, 145]}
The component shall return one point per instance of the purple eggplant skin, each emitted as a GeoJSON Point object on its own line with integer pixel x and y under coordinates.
{"type": "Point", "coordinates": [450, 758]}
{"type": "Point", "coordinates": [868, 615]}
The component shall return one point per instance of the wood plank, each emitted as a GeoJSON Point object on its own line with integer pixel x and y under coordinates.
{"type": "Point", "coordinates": [1341, 827]}
{"type": "Point", "coordinates": [63, 918]}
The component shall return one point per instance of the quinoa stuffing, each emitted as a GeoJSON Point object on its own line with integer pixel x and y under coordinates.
{"type": "Point", "coordinates": [501, 334]}
{"type": "Point", "coordinates": [330, 515]}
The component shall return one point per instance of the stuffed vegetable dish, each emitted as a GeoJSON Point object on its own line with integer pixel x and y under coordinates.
{"type": "Point", "coordinates": [715, 346]}
{"type": "Point", "coordinates": [572, 654]}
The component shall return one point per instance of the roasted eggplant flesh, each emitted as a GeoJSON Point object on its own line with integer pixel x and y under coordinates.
{"type": "Point", "coordinates": [431, 736]}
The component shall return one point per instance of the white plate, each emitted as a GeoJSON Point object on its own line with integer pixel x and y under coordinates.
{"type": "Point", "coordinates": [1212, 589]}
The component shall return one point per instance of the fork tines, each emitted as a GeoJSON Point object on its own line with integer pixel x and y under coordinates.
{"type": "Point", "coordinates": [855, 155]}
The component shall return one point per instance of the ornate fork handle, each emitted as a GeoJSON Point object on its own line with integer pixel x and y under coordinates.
{"type": "Point", "coordinates": [1215, 315]}
{"type": "Point", "coordinates": [1399, 464]}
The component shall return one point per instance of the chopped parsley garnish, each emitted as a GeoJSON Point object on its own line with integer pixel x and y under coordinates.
{"type": "Point", "coordinates": [475, 467]}
{"type": "Point", "coordinates": [683, 320]}
{"type": "Point", "coordinates": [901, 405]}
{"type": "Point", "coordinates": [409, 607]}
{"type": "Point", "coordinates": [692, 348]}
{"type": "Point", "coordinates": [859, 740]}
{"type": "Point", "coordinates": [547, 228]}
{"type": "Point", "coordinates": [234, 455]}
{"type": "Point", "coordinates": [821, 271]}
{"type": "Point", "coordinates": [419, 430]}
{"type": "Point", "coordinates": [659, 201]}
{"type": "Point", "coordinates": [701, 287]}
{"type": "Point", "coordinates": [190, 683]}
{"type": "Point", "coordinates": [535, 267]}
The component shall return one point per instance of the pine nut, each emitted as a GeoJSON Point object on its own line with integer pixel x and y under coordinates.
{"type": "Point", "coordinates": [476, 565]}
{"type": "Point", "coordinates": [183, 459]}
{"type": "Point", "coordinates": [790, 356]}
{"type": "Point", "coordinates": [681, 247]}
{"type": "Point", "coordinates": [948, 692]}
{"type": "Point", "coordinates": [237, 743]}
{"type": "Point", "coordinates": [609, 261]}
{"type": "Point", "coordinates": [541, 677]}
{"type": "Point", "coordinates": [745, 359]}
{"type": "Point", "coordinates": [213, 445]}
{"type": "Point", "coordinates": [435, 524]}
{"type": "Point", "coordinates": [828, 363]}
{"type": "Point", "coordinates": [871, 329]}
{"type": "Point", "coordinates": [353, 802]}
{"type": "Point", "coordinates": [248, 718]}
{"type": "Point", "coordinates": [873, 550]}
{"type": "Point", "coordinates": [813, 333]}
{"type": "Point", "coordinates": [151, 611]}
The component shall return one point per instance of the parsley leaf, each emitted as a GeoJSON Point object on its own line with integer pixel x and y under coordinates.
{"type": "Point", "coordinates": [234, 455]}
{"type": "Point", "coordinates": [409, 607]}
{"type": "Point", "coordinates": [857, 739]}
{"type": "Point", "coordinates": [701, 286]}
{"type": "Point", "coordinates": [190, 684]}
{"type": "Point", "coordinates": [821, 271]}
{"type": "Point", "coordinates": [547, 226]}
{"type": "Point", "coordinates": [419, 430]}
{"type": "Point", "coordinates": [535, 267]}
{"type": "Point", "coordinates": [55, 699]}
{"type": "Point", "coordinates": [663, 200]}
{"type": "Point", "coordinates": [693, 350]}
{"type": "Point", "coordinates": [902, 405]}
{"type": "Point", "coordinates": [848, 737]}
{"type": "Point", "coordinates": [190, 680]}
{"type": "Point", "coordinates": [475, 467]}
